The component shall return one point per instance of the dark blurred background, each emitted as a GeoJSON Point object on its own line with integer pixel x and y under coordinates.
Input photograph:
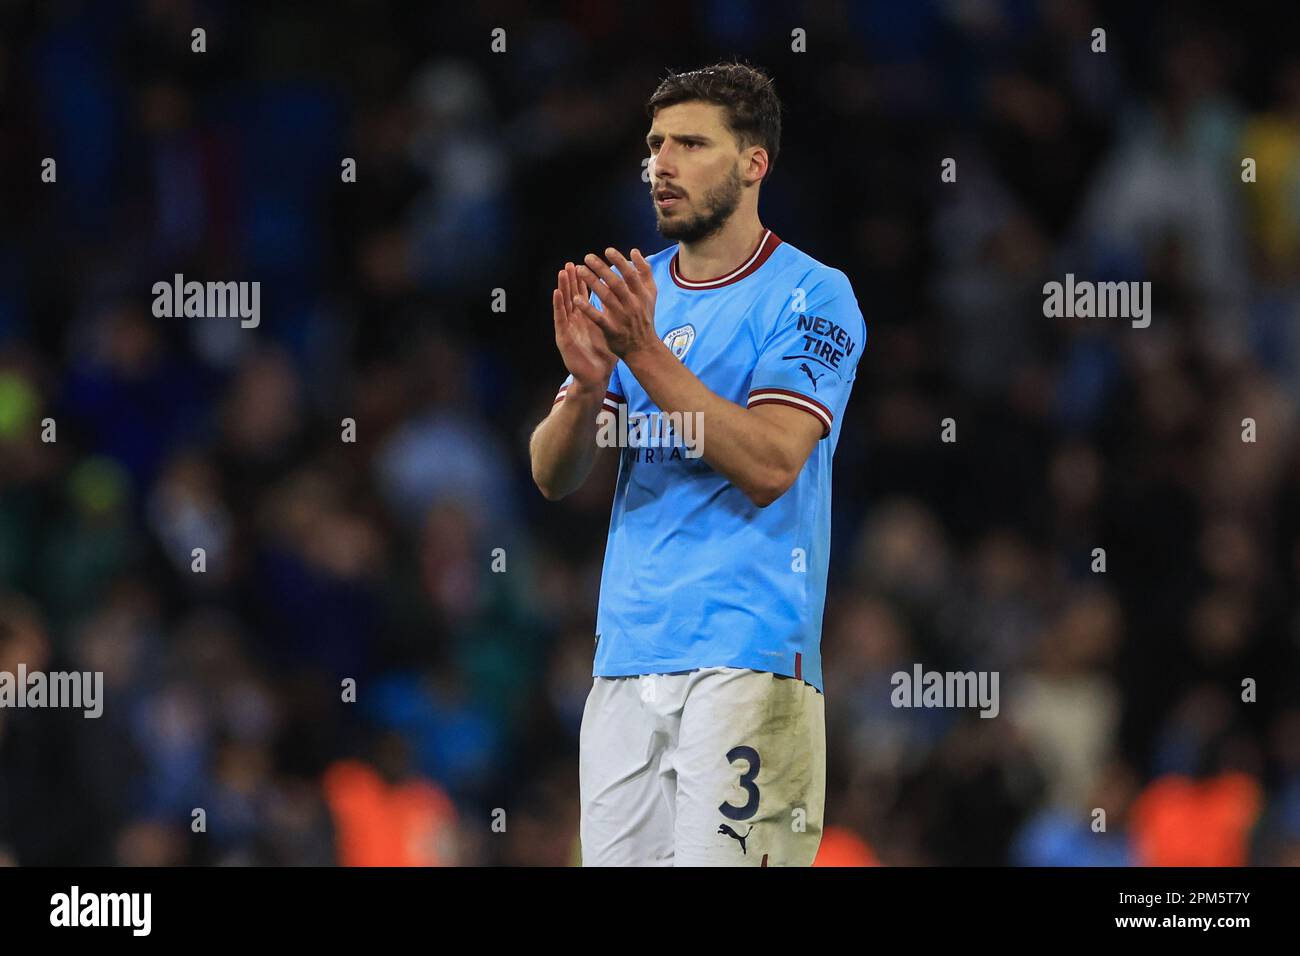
{"type": "Point", "coordinates": [479, 171]}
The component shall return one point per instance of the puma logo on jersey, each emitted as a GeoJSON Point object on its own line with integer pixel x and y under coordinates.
{"type": "Point", "coordinates": [736, 836]}
{"type": "Point", "coordinates": [803, 366]}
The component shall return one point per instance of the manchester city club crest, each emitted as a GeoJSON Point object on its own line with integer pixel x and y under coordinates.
{"type": "Point", "coordinates": [679, 340]}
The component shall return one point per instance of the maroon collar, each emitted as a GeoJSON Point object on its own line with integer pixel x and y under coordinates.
{"type": "Point", "coordinates": [766, 245]}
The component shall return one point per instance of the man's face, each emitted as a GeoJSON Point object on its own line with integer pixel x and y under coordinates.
{"type": "Point", "coordinates": [694, 168]}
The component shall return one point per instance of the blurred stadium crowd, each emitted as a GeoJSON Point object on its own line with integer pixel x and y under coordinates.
{"type": "Point", "coordinates": [371, 560]}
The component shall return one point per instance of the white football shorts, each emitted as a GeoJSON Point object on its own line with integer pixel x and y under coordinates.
{"type": "Point", "coordinates": [721, 766]}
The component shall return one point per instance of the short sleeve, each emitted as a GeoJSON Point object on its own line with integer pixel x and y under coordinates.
{"type": "Point", "coordinates": [614, 394]}
{"type": "Point", "coordinates": [810, 359]}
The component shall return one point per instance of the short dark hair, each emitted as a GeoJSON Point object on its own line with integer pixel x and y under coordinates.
{"type": "Point", "coordinates": [746, 93]}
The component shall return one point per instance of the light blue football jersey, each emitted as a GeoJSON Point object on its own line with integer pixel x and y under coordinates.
{"type": "Point", "coordinates": [695, 574]}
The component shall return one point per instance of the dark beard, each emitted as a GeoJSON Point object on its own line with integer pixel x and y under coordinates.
{"type": "Point", "coordinates": [719, 203]}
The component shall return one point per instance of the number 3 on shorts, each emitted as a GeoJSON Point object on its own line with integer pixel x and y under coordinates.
{"type": "Point", "coordinates": [750, 755]}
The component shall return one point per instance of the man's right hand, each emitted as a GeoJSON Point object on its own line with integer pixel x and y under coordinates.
{"type": "Point", "coordinates": [580, 341]}
{"type": "Point", "coordinates": [563, 446]}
